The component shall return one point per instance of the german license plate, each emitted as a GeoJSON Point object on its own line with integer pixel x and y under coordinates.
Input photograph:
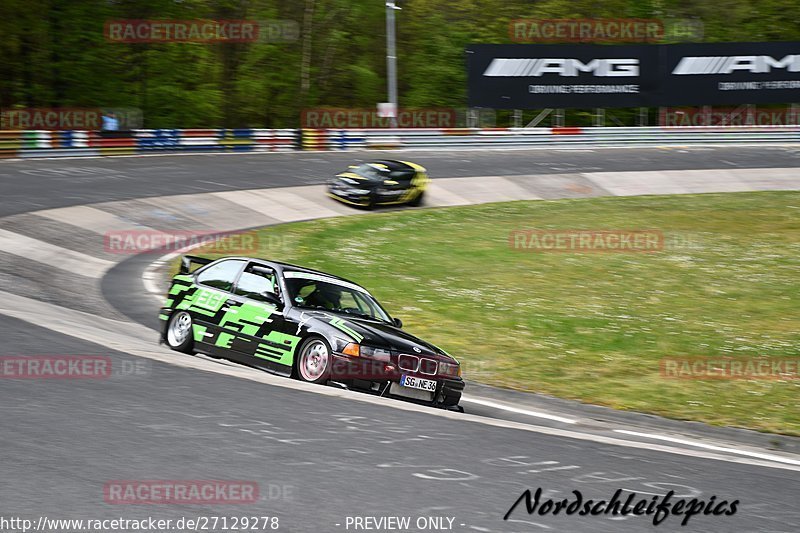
{"type": "Point", "coordinates": [418, 383]}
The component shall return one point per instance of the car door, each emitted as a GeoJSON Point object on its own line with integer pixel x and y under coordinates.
{"type": "Point", "coordinates": [397, 186]}
{"type": "Point", "coordinates": [263, 332]}
{"type": "Point", "coordinates": [212, 302]}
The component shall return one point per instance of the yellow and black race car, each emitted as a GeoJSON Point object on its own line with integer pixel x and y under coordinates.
{"type": "Point", "coordinates": [385, 182]}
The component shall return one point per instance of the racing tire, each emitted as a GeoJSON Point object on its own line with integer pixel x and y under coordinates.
{"type": "Point", "coordinates": [179, 332]}
{"type": "Point", "coordinates": [416, 202]}
{"type": "Point", "coordinates": [314, 360]}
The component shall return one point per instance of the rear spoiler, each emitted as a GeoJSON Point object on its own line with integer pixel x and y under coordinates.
{"type": "Point", "coordinates": [188, 260]}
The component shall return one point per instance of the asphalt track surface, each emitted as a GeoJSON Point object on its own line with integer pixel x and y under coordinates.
{"type": "Point", "coordinates": [41, 184]}
{"type": "Point", "coordinates": [320, 459]}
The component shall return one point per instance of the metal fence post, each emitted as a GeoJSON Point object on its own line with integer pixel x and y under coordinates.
{"type": "Point", "coordinates": [517, 118]}
{"type": "Point", "coordinates": [558, 118]}
{"type": "Point", "coordinates": [599, 117]}
{"type": "Point", "coordinates": [472, 117]}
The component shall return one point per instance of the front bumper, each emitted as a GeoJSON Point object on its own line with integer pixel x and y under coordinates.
{"type": "Point", "coordinates": [378, 376]}
{"type": "Point", "coordinates": [349, 198]}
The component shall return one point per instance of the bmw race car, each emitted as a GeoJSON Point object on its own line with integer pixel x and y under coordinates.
{"type": "Point", "coordinates": [385, 182]}
{"type": "Point", "coordinates": [304, 323]}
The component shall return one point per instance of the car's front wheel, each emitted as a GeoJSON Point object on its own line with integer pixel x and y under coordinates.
{"type": "Point", "coordinates": [179, 332]}
{"type": "Point", "coordinates": [315, 360]}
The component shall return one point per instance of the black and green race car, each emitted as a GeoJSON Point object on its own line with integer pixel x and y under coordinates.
{"type": "Point", "coordinates": [304, 323]}
{"type": "Point", "coordinates": [385, 182]}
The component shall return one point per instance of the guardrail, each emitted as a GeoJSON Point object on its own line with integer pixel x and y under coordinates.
{"type": "Point", "coordinates": [36, 143]}
{"type": "Point", "coordinates": [74, 143]}
{"type": "Point", "coordinates": [465, 138]}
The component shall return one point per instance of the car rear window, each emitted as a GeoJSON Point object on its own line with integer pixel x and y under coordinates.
{"type": "Point", "coordinates": [221, 275]}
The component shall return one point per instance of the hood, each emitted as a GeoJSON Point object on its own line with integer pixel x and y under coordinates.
{"type": "Point", "coordinates": [351, 179]}
{"type": "Point", "coordinates": [382, 335]}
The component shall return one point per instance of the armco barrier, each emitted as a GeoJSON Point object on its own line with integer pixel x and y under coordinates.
{"type": "Point", "coordinates": [33, 144]}
{"type": "Point", "coordinates": [465, 138]}
{"type": "Point", "coordinates": [43, 143]}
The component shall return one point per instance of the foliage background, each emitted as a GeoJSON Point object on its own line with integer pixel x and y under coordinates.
{"type": "Point", "coordinates": [54, 53]}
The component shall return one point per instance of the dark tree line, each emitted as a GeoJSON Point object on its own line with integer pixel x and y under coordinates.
{"type": "Point", "coordinates": [54, 52]}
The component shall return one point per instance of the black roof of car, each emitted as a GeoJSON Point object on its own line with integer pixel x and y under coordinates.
{"type": "Point", "coordinates": [295, 268]}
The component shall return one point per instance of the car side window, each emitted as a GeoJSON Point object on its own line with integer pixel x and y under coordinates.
{"type": "Point", "coordinates": [253, 283]}
{"type": "Point", "coordinates": [307, 289]}
{"type": "Point", "coordinates": [402, 176]}
{"type": "Point", "coordinates": [221, 275]}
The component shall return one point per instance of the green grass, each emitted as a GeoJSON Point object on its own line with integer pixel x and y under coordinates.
{"type": "Point", "coordinates": [589, 326]}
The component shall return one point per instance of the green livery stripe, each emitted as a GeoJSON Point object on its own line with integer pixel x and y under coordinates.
{"type": "Point", "coordinates": [198, 332]}
{"type": "Point", "coordinates": [225, 340]}
{"type": "Point", "coordinates": [203, 301]}
{"type": "Point", "coordinates": [340, 324]}
{"type": "Point", "coordinates": [178, 288]}
{"type": "Point", "coordinates": [261, 351]}
{"type": "Point", "coordinates": [186, 304]}
{"type": "Point", "coordinates": [163, 317]}
{"type": "Point", "coordinates": [278, 347]}
{"type": "Point", "coordinates": [248, 316]}
{"type": "Point", "coordinates": [209, 299]}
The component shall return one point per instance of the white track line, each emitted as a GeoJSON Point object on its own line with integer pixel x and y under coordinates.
{"type": "Point", "coordinates": [151, 278]}
{"type": "Point", "coordinates": [537, 414]}
{"type": "Point", "coordinates": [698, 444]}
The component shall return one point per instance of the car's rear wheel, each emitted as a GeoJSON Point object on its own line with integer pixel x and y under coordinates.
{"type": "Point", "coordinates": [416, 202]}
{"type": "Point", "coordinates": [315, 360]}
{"type": "Point", "coordinates": [179, 332]}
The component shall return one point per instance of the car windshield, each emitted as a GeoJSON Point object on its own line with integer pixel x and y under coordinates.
{"type": "Point", "coordinates": [319, 292]}
{"type": "Point", "coordinates": [371, 171]}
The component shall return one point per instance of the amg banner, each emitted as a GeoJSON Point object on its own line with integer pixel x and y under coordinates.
{"type": "Point", "coordinates": [534, 76]}
{"type": "Point", "coordinates": [585, 76]}
{"type": "Point", "coordinates": [730, 73]}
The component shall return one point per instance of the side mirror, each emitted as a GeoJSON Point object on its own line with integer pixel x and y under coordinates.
{"type": "Point", "coordinates": [271, 297]}
{"type": "Point", "coordinates": [397, 322]}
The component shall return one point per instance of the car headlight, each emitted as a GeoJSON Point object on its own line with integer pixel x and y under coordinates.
{"type": "Point", "coordinates": [358, 350]}
{"type": "Point", "coordinates": [449, 369]}
{"type": "Point", "coordinates": [375, 353]}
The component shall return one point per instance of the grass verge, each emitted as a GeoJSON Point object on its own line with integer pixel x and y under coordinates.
{"type": "Point", "coordinates": [593, 327]}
